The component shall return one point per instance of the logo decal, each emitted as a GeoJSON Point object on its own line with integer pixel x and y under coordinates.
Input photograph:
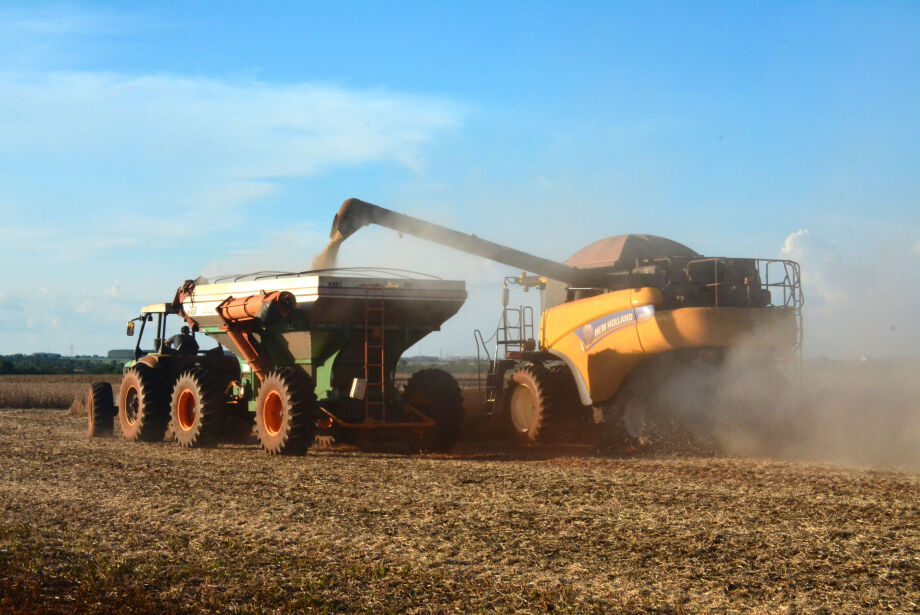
{"type": "Point", "coordinates": [596, 330]}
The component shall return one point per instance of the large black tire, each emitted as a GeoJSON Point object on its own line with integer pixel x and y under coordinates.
{"type": "Point", "coordinates": [100, 410]}
{"type": "Point", "coordinates": [286, 412]}
{"type": "Point", "coordinates": [630, 423]}
{"type": "Point", "coordinates": [662, 409]}
{"type": "Point", "coordinates": [436, 394]}
{"type": "Point", "coordinates": [197, 408]}
{"type": "Point", "coordinates": [143, 405]}
{"type": "Point", "coordinates": [534, 407]}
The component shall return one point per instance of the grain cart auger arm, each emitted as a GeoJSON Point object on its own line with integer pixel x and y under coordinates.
{"type": "Point", "coordinates": [622, 319]}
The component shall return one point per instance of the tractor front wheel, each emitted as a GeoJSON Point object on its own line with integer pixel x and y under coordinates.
{"type": "Point", "coordinates": [286, 412]}
{"type": "Point", "coordinates": [197, 409]}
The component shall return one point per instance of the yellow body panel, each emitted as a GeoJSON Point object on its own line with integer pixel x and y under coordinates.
{"type": "Point", "coordinates": [603, 338]}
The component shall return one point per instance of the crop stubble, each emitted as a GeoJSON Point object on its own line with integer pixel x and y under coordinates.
{"type": "Point", "coordinates": [91, 525]}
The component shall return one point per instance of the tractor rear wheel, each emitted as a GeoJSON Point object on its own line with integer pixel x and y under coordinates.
{"type": "Point", "coordinates": [533, 406]}
{"type": "Point", "coordinates": [286, 412]}
{"type": "Point", "coordinates": [100, 410]}
{"type": "Point", "coordinates": [143, 405]}
{"type": "Point", "coordinates": [436, 394]}
{"type": "Point", "coordinates": [197, 408]}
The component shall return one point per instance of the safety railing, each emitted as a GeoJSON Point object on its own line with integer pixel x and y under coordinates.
{"type": "Point", "coordinates": [782, 279]}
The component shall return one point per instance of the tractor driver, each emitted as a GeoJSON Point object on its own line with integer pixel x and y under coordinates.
{"type": "Point", "coordinates": [183, 342]}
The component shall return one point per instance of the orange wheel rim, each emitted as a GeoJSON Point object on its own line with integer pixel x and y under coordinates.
{"type": "Point", "coordinates": [186, 409]}
{"type": "Point", "coordinates": [273, 413]}
{"type": "Point", "coordinates": [132, 405]}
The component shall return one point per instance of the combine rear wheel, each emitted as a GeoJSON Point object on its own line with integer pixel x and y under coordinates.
{"type": "Point", "coordinates": [660, 418]}
{"type": "Point", "coordinates": [436, 393]}
{"type": "Point", "coordinates": [143, 405]}
{"type": "Point", "coordinates": [100, 410]}
{"type": "Point", "coordinates": [197, 408]}
{"type": "Point", "coordinates": [533, 405]}
{"type": "Point", "coordinates": [286, 412]}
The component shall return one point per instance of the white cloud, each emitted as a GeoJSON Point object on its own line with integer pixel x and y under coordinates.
{"type": "Point", "coordinates": [916, 248]}
{"type": "Point", "coordinates": [55, 21]}
{"type": "Point", "coordinates": [112, 291]}
{"type": "Point", "coordinates": [234, 132]}
{"type": "Point", "coordinates": [145, 178]}
{"type": "Point", "coordinates": [794, 247]}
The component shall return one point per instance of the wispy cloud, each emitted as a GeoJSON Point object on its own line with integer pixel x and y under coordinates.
{"type": "Point", "coordinates": [102, 171]}
{"type": "Point", "coordinates": [231, 130]}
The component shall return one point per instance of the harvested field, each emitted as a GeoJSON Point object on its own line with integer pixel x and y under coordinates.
{"type": "Point", "coordinates": [97, 525]}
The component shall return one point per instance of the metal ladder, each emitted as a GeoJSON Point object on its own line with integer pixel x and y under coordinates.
{"type": "Point", "coordinates": [375, 397]}
{"type": "Point", "coordinates": [516, 327]}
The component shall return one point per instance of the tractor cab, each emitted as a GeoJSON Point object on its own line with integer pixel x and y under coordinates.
{"type": "Point", "coordinates": [185, 351]}
{"type": "Point", "coordinates": [161, 311]}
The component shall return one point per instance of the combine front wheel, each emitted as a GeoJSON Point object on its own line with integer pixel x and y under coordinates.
{"type": "Point", "coordinates": [533, 406]}
{"type": "Point", "coordinates": [197, 409]}
{"type": "Point", "coordinates": [143, 407]}
{"type": "Point", "coordinates": [286, 412]}
{"type": "Point", "coordinates": [436, 393]}
{"type": "Point", "coordinates": [100, 410]}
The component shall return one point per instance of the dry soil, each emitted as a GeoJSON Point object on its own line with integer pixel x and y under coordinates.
{"type": "Point", "coordinates": [103, 525]}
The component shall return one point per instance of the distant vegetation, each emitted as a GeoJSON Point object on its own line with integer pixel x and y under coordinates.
{"type": "Point", "coordinates": [51, 363]}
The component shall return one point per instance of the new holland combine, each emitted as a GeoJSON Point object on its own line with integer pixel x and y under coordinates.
{"type": "Point", "coordinates": [621, 320]}
{"type": "Point", "coordinates": [314, 353]}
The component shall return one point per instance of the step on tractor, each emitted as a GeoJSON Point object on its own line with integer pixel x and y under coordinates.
{"type": "Point", "coordinates": [312, 356]}
{"type": "Point", "coordinates": [633, 329]}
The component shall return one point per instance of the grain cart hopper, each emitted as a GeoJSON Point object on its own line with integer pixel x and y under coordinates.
{"type": "Point", "coordinates": [620, 319]}
{"type": "Point", "coordinates": [314, 350]}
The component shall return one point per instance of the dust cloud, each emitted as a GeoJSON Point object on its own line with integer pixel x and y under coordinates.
{"type": "Point", "coordinates": [863, 413]}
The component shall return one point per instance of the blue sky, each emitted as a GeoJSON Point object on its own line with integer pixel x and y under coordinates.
{"type": "Point", "coordinates": [141, 145]}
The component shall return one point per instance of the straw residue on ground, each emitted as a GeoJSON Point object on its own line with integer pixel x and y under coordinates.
{"type": "Point", "coordinates": [88, 524]}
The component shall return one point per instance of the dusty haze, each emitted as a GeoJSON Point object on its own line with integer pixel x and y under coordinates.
{"type": "Point", "coordinates": [863, 412]}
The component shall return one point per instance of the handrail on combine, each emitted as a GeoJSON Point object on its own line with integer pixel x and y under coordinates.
{"type": "Point", "coordinates": [789, 281]}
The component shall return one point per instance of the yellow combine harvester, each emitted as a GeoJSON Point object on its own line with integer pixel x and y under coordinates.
{"type": "Point", "coordinates": [621, 320]}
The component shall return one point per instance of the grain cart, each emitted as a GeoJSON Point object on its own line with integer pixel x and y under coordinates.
{"type": "Point", "coordinates": [312, 353]}
{"type": "Point", "coordinates": [621, 319]}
